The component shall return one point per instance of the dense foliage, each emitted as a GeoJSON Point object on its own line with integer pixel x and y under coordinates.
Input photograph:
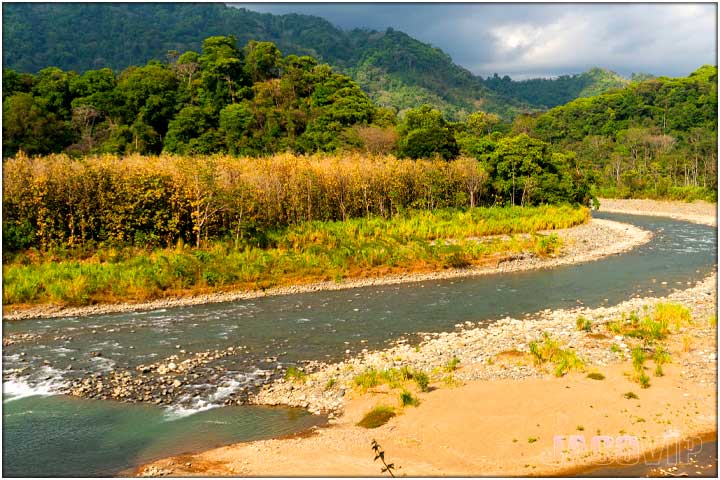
{"type": "Point", "coordinates": [223, 99]}
{"type": "Point", "coordinates": [58, 202]}
{"type": "Point", "coordinates": [394, 69]}
{"type": "Point", "coordinates": [309, 252]}
{"type": "Point", "coordinates": [655, 138]}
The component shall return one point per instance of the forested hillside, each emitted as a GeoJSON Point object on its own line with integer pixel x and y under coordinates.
{"type": "Point", "coordinates": [545, 92]}
{"type": "Point", "coordinates": [394, 69]}
{"type": "Point", "coordinates": [652, 138]}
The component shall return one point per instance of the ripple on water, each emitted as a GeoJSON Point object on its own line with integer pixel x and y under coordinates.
{"type": "Point", "coordinates": [103, 364]}
{"type": "Point", "coordinates": [44, 382]}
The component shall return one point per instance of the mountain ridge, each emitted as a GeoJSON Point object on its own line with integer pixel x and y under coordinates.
{"type": "Point", "coordinates": [392, 67]}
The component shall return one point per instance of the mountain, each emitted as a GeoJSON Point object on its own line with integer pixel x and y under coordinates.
{"type": "Point", "coordinates": [548, 93]}
{"type": "Point", "coordinates": [393, 68]}
{"type": "Point", "coordinates": [655, 138]}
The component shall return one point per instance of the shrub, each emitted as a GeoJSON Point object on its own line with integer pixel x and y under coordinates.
{"type": "Point", "coordinates": [630, 396]}
{"type": "Point", "coordinates": [549, 351]}
{"type": "Point", "coordinates": [671, 314]}
{"type": "Point", "coordinates": [660, 357]}
{"type": "Point", "coordinates": [422, 380]}
{"type": "Point", "coordinates": [377, 417]}
{"type": "Point", "coordinates": [330, 383]}
{"type": "Point", "coordinates": [583, 323]}
{"type": "Point", "coordinates": [452, 365]}
{"type": "Point", "coordinates": [368, 379]}
{"type": "Point", "coordinates": [406, 399]}
{"type": "Point", "coordinates": [547, 245]}
{"type": "Point", "coordinates": [638, 358]}
{"type": "Point", "coordinates": [596, 376]}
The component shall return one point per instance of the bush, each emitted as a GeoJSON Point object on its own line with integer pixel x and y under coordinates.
{"type": "Point", "coordinates": [407, 399]}
{"type": "Point", "coordinates": [547, 245]}
{"type": "Point", "coordinates": [368, 379]}
{"type": "Point", "coordinates": [596, 376]}
{"type": "Point", "coordinates": [422, 380]}
{"type": "Point", "coordinates": [549, 351]}
{"type": "Point", "coordinates": [377, 417]}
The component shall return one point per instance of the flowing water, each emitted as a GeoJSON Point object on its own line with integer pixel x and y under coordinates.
{"type": "Point", "coordinates": [48, 435]}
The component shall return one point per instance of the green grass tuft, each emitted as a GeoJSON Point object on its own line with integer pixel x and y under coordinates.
{"type": "Point", "coordinates": [377, 417]}
{"type": "Point", "coordinates": [407, 399]}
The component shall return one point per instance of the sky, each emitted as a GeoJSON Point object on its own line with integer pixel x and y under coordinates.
{"type": "Point", "coordinates": [541, 40]}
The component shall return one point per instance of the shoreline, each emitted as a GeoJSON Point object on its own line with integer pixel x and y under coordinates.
{"type": "Point", "coordinates": [432, 439]}
{"type": "Point", "coordinates": [700, 212]}
{"type": "Point", "coordinates": [690, 377]}
{"type": "Point", "coordinates": [620, 237]}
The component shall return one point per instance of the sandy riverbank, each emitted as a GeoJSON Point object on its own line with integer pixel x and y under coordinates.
{"type": "Point", "coordinates": [698, 212]}
{"type": "Point", "coordinates": [499, 414]}
{"type": "Point", "coordinates": [504, 416]}
{"type": "Point", "coordinates": [588, 242]}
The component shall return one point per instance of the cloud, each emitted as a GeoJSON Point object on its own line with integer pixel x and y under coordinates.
{"type": "Point", "coordinates": [531, 40]}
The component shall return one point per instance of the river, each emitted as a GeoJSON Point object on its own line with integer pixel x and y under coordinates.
{"type": "Point", "coordinates": [46, 434]}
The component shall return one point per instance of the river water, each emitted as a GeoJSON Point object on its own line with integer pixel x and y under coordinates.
{"type": "Point", "coordinates": [46, 434]}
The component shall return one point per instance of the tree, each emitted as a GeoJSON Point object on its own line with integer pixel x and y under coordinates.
{"type": "Point", "coordinates": [472, 176]}
{"type": "Point", "coordinates": [262, 61]}
{"type": "Point", "coordinates": [234, 122]}
{"type": "Point", "coordinates": [223, 72]}
{"type": "Point", "coordinates": [425, 133]}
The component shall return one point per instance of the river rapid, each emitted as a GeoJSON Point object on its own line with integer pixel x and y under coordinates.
{"type": "Point", "coordinates": [48, 434]}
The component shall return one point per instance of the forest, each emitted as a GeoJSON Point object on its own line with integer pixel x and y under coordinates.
{"type": "Point", "coordinates": [236, 124]}
{"type": "Point", "coordinates": [393, 69]}
{"type": "Point", "coordinates": [655, 138]}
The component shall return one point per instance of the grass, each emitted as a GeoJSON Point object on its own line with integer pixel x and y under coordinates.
{"type": "Point", "coordinates": [377, 417]}
{"type": "Point", "coordinates": [660, 357]}
{"type": "Point", "coordinates": [451, 381]}
{"type": "Point", "coordinates": [630, 396]}
{"type": "Point", "coordinates": [394, 377]}
{"type": "Point", "coordinates": [596, 376]}
{"type": "Point", "coordinates": [452, 364]}
{"type": "Point", "coordinates": [549, 351]}
{"type": "Point", "coordinates": [407, 399]}
{"type": "Point", "coordinates": [583, 324]}
{"type": "Point", "coordinates": [330, 383]}
{"type": "Point", "coordinates": [654, 326]}
{"type": "Point", "coordinates": [532, 439]}
{"type": "Point", "coordinates": [416, 241]}
{"type": "Point", "coordinates": [294, 374]}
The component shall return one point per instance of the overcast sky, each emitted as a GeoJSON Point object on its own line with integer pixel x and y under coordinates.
{"type": "Point", "coordinates": [542, 40]}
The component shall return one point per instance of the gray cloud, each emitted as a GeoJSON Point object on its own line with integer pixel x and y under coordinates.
{"type": "Point", "coordinates": [532, 40]}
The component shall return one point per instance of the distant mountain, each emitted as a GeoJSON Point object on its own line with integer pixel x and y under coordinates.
{"type": "Point", "coordinates": [548, 93]}
{"type": "Point", "coordinates": [392, 67]}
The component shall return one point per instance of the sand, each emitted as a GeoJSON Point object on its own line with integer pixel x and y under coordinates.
{"type": "Point", "coordinates": [503, 427]}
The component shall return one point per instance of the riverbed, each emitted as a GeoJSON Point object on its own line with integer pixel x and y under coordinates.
{"type": "Point", "coordinates": [85, 437]}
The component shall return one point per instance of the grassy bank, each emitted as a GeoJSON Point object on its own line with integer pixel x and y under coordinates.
{"type": "Point", "coordinates": [304, 253]}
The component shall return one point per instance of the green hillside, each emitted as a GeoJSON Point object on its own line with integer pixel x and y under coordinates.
{"type": "Point", "coordinates": [548, 93]}
{"type": "Point", "coordinates": [652, 138]}
{"type": "Point", "coordinates": [392, 68]}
